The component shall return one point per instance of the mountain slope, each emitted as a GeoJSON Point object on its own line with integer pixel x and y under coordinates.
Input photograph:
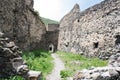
{"type": "Point", "coordinates": [49, 21]}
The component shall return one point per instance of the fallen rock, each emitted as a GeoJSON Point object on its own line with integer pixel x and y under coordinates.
{"type": "Point", "coordinates": [10, 44]}
{"type": "Point", "coordinates": [1, 34]}
{"type": "Point", "coordinates": [34, 75]}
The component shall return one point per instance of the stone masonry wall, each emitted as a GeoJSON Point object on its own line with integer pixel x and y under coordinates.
{"type": "Point", "coordinates": [66, 25]}
{"type": "Point", "coordinates": [52, 36]}
{"type": "Point", "coordinates": [52, 27]}
{"type": "Point", "coordinates": [20, 23]}
{"type": "Point", "coordinates": [52, 39]}
{"type": "Point", "coordinates": [96, 32]}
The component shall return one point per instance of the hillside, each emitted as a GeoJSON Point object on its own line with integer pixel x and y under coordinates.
{"type": "Point", "coordinates": [49, 21]}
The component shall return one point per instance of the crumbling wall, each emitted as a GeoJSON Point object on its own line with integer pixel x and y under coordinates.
{"type": "Point", "coordinates": [11, 62]}
{"type": "Point", "coordinates": [66, 26]}
{"type": "Point", "coordinates": [94, 31]}
{"type": "Point", "coordinates": [20, 23]}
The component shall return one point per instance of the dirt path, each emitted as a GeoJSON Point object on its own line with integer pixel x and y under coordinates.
{"type": "Point", "coordinates": [59, 65]}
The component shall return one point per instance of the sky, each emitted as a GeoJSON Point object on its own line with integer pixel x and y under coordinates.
{"type": "Point", "coordinates": [56, 9]}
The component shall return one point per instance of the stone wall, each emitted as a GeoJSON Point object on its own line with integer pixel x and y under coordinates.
{"type": "Point", "coordinates": [52, 36]}
{"type": "Point", "coordinates": [20, 23]}
{"type": "Point", "coordinates": [94, 32]}
{"type": "Point", "coordinates": [66, 25]}
{"type": "Point", "coordinates": [52, 27]}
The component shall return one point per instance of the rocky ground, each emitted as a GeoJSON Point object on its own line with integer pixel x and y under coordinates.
{"type": "Point", "coordinates": [110, 72]}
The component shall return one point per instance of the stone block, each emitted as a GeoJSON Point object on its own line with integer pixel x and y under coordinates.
{"type": "Point", "coordinates": [1, 34]}
{"type": "Point", "coordinates": [34, 75]}
{"type": "Point", "coordinates": [10, 44]}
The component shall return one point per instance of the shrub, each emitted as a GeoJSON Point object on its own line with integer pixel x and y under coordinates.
{"type": "Point", "coordinates": [64, 73]}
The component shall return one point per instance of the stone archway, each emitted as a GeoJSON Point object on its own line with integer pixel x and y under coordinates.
{"type": "Point", "coordinates": [51, 48]}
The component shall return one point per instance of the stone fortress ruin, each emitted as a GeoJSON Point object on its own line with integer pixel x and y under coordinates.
{"type": "Point", "coordinates": [93, 32]}
{"type": "Point", "coordinates": [22, 25]}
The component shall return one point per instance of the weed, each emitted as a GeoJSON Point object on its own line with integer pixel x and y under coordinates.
{"type": "Point", "coordinates": [64, 73]}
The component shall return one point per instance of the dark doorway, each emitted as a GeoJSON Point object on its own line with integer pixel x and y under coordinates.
{"type": "Point", "coordinates": [51, 48]}
{"type": "Point", "coordinates": [117, 42]}
{"type": "Point", "coordinates": [95, 45]}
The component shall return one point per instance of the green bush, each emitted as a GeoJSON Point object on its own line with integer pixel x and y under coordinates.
{"type": "Point", "coordinates": [64, 73]}
{"type": "Point", "coordinates": [14, 78]}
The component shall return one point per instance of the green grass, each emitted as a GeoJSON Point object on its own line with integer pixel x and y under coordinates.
{"type": "Point", "coordinates": [64, 73]}
{"type": "Point", "coordinates": [14, 78]}
{"type": "Point", "coordinates": [38, 60]}
{"type": "Point", "coordinates": [75, 62]}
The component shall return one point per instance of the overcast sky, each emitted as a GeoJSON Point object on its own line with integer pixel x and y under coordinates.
{"type": "Point", "coordinates": [56, 9]}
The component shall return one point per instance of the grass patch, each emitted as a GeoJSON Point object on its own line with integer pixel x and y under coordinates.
{"type": "Point", "coordinates": [64, 73]}
{"type": "Point", "coordinates": [13, 78]}
{"type": "Point", "coordinates": [16, 78]}
{"type": "Point", "coordinates": [74, 62]}
{"type": "Point", "coordinates": [38, 60]}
